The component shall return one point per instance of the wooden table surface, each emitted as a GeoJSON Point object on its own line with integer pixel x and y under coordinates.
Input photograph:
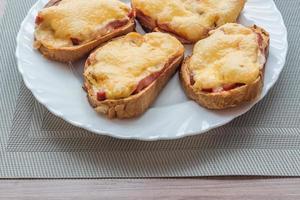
{"type": "Point", "coordinates": [136, 189]}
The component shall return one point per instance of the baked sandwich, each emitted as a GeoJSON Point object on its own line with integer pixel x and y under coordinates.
{"type": "Point", "coordinates": [123, 77]}
{"type": "Point", "coordinates": [227, 68]}
{"type": "Point", "coordinates": [188, 20]}
{"type": "Point", "coordinates": [66, 30]}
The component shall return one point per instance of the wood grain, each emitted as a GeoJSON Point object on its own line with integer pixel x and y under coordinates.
{"type": "Point", "coordinates": [134, 189]}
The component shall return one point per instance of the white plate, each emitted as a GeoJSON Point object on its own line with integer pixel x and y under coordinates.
{"type": "Point", "coordinates": [59, 86]}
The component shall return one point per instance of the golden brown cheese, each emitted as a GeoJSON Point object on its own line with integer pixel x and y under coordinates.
{"type": "Point", "coordinates": [80, 19]}
{"type": "Point", "coordinates": [230, 55]}
{"type": "Point", "coordinates": [122, 63]}
{"type": "Point", "coordinates": [191, 18]}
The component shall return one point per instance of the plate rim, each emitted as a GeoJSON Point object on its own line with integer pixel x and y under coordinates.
{"type": "Point", "coordinates": [157, 137]}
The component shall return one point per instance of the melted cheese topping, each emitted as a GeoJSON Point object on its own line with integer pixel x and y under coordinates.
{"type": "Point", "coordinates": [122, 63]}
{"type": "Point", "coordinates": [80, 19]}
{"type": "Point", "coordinates": [229, 55]}
{"type": "Point", "coordinates": [191, 18]}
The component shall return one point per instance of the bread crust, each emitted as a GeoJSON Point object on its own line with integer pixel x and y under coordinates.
{"type": "Point", "coordinates": [225, 99]}
{"type": "Point", "coordinates": [136, 104]}
{"type": "Point", "coordinates": [73, 53]}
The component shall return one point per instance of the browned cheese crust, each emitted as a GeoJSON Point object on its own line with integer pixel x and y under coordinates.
{"type": "Point", "coordinates": [150, 25]}
{"type": "Point", "coordinates": [136, 104]}
{"type": "Point", "coordinates": [225, 99]}
{"type": "Point", "coordinates": [70, 54]}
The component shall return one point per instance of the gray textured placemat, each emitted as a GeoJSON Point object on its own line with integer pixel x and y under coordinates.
{"type": "Point", "coordinates": [36, 144]}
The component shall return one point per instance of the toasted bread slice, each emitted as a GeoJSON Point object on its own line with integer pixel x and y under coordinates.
{"type": "Point", "coordinates": [189, 21]}
{"type": "Point", "coordinates": [126, 86]}
{"type": "Point", "coordinates": [227, 93]}
{"type": "Point", "coordinates": [73, 48]}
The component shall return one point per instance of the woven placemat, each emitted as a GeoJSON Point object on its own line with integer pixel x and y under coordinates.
{"type": "Point", "coordinates": [36, 144]}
